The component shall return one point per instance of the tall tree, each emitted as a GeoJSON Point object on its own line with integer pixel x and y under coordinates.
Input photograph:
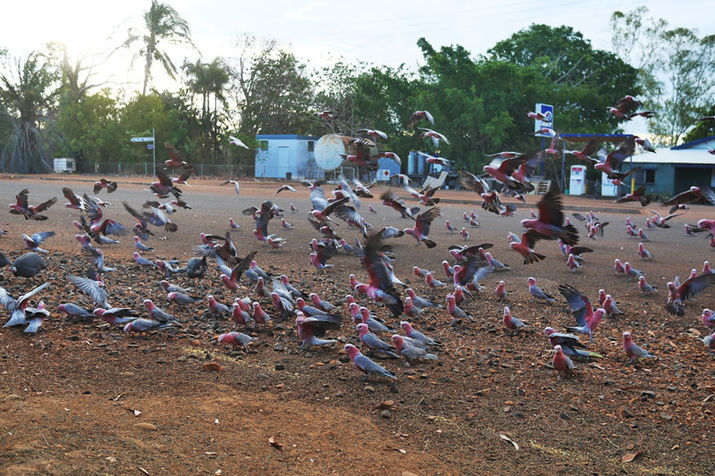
{"type": "Point", "coordinates": [28, 92]}
{"type": "Point", "coordinates": [272, 90]}
{"type": "Point", "coordinates": [207, 79]}
{"type": "Point", "coordinates": [676, 66]}
{"type": "Point", "coordinates": [162, 24]}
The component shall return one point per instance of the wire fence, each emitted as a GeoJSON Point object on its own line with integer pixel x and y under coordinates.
{"type": "Point", "coordinates": [232, 171]}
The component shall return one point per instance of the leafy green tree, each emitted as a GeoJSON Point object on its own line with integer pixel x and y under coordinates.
{"type": "Point", "coordinates": [28, 93]}
{"type": "Point", "coordinates": [162, 24]}
{"type": "Point", "coordinates": [581, 81]}
{"type": "Point", "coordinates": [271, 92]}
{"type": "Point", "coordinates": [676, 66]}
{"type": "Point", "coordinates": [702, 129]}
{"type": "Point", "coordinates": [137, 118]}
{"type": "Point", "coordinates": [88, 130]}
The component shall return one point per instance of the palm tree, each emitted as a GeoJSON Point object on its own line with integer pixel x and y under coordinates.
{"type": "Point", "coordinates": [207, 79]}
{"type": "Point", "coordinates": [27, 96]}
{"type": "Point", "coordinates": [162, 23]}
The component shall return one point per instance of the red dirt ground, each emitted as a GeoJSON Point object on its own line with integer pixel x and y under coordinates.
{"type": "Point", "coordinates": [68, 394]}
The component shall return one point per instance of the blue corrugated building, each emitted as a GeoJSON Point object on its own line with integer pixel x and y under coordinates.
{"type": "Point", "coordinates": [672, 170]}
{"type": "Point", "coordinates": [286, 156]}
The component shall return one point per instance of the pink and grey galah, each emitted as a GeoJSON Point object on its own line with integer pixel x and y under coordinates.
{"type": "Point", "coordinates": [259, 315]}
{"type": "Point", "coordinates": [322, 305]}
{"type": "Point", "coordinates": [239, 316]}
{"type": "Point", "coordinates": [157, 313]}
{"type": "Point", "coordinates": [410, 309]}
{"type": "Point", "coordinates": [411, 334]}
{"type": "Point", "coordinates": [411, 353]}
{"type": "Point", "coordinates": [633, 351]}
{"type": "Point", "coordinates": [310, 329]}
{"type": "Point", "coordinates": [35, 317]}
{"type": "Point", "coordinates": [618, 267]}
{"type": "Point", "coordinates": [609, 305]}
{"type": "Point", "coordinates": [144, 325]}
{"type": "Point", "coordinates": [536, 291]}
{"type": "Point", "coordinates": [457, 313]}
{"type": "Point", "coordinates": [116, 315]}
{"type": "Point", "coordinates": [569, 343]}
{"type": "Point", "coordinates": [645, 287]}
{"type": "Point", "coordinates": [418, 301]}
{"type": "Point", "coordinates": [75, 311]}
{"type": "Point", "coordinates": [644, 253]}
{"type": "Point", "coordinates": [216, 307]}
{"type": "Point", "coordinates": [181, 299]}
{"type": "Point", "coordinates": [708, 318]}
{"type": "Point", "coordinates": [494, 263]}
{"type": "Point", "coordinates": [500, 291]}
{"type": "Point", "coordinates": [572, 264]}
{"type": "Point", "coordinates": [511, 323]}
{"type": "Point", "coordinates": [365, 364]}
{"type": "Point", "coordinates": [374, 343]}
{"type": "Point", "coordinates": [432, 282]}
{"type": "Point", "coordinates": [630, 271]}
{"type": "Point", "coordinates": [236, 339]}
{"type": "Point", "coordinates": [372, 323]}
{"type": "Point", "coordinates": [642, 235]}
{"type": "Point", "coordinates": [562, 363]}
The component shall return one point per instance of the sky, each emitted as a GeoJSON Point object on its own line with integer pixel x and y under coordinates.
{"type": "Point", "coordinates": [319, 32]}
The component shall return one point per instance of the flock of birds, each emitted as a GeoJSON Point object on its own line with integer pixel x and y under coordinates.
{"type": "Point", "coordinates": [314, 317]}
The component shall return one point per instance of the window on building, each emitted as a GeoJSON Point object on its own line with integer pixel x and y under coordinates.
{"type": "Point", "coordinates": [311, 146]}
{"type": "Point", "coordinates": [649, 176]}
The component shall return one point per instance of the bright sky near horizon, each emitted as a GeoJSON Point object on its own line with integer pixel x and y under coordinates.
{"type": "Point", "coordinates": [319, 31]}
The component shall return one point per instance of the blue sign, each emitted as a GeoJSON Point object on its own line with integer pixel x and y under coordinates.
{"type": "Point", "coordinates": [544, 127]}
{"type": "Point", "coordinates": [150, 146]}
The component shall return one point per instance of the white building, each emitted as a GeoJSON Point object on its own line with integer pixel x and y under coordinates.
{"type": "Point", "coordinates": [286, 156]}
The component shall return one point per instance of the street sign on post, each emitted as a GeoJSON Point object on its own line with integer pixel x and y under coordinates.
{"type": "Point", "coordinates": [545, 127]}
{"type": "Point", "coordinates": [151, 139]}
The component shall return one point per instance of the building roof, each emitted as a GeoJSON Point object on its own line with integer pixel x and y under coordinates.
{"type": "Point", "coordinates": [675, 156]}
{"type": "Point", "coordinates": [697, 143]}
{"type": "Point", "coordinates": [284, 137]}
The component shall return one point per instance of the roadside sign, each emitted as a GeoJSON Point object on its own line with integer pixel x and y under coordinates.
{"type": "Point", "coordinates": [546, 110]}
{"type": "Point", "coordinates": [142, 139]}
{"type": "Point", "coordinates": [150, 146]}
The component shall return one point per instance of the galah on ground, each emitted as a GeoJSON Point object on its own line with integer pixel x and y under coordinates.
{"type": "Point", "coordinates": [536, 291]}
{"type": "Point", "coordinates": [310, 329]}
{"type": "Point", "coordinates": [411, 353]}
{"type": "Point", "coordinates": [374, 343]}
{"type": "Point", "coordinates": [570, 343]}
{"type": "Point", "coordinates": [216, 307]}
{"type": "Point", "coordinates": [645, 287]}
{"type": "Point", "coordinates": [116, 315]}
{"type": "Point", "coordinates": [157, 313]}
{"type": "Point", "coordinates": [366, 364]}
{"type": "Point", "coordinates": [609, 305]}
{"type": "Point", "coordinates": [236, 339]}
{"type": "Point", "coordinates": [500, 291]}
{"type": "Point", "coordinates": [562, 363]}
{"type": "Point", "coordinates": [511, 323]}
{"type": "Point", "coordinates": [632, 350]}
{"type": "Point", "coordinates": [73, 310]}
{"type": "Point", "coordinates": [457, 313]}
{"type": "Point", "coordinates": [144, 325]}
